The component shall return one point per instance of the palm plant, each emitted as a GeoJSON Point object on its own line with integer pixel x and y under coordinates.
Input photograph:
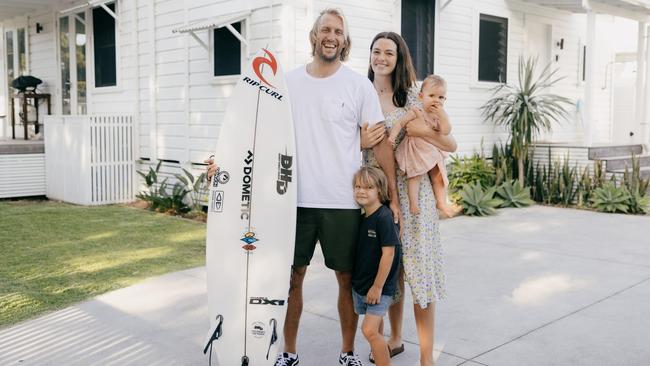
{"type": "Point", "coordinates": [526, 109]}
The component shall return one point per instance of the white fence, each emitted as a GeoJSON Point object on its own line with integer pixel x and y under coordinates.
{"type": "Point", "coordinates": [89, 159]}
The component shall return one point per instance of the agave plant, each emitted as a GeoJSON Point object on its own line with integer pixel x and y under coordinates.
{"type": "Point", "coordinates": [526, 109]}
{"type": "Point", "coordinates": [639, 203]}
{"type": "Point", "coordinates": [610, 198]}
{"type": "Point", "coordinates": [513, 195]}
{"type": "Point", "coordinates": [478, 202]}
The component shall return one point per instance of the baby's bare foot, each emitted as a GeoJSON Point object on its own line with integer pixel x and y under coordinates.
{"type": "Point", "coordinates": [446, 211]}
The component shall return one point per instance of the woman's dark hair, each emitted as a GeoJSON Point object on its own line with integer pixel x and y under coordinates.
{"type": "Point", "coordinates": [403, 77]}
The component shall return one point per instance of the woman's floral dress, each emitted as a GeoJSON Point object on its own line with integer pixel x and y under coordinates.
{"type": "Point", "coordinates": [421, 247]}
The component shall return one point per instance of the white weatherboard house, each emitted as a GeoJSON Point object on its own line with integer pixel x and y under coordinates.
{"type": "Point", "coordinates": [134, 82]}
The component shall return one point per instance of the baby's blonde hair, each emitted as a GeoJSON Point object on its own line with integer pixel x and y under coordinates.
{"type": "Point", "coordinates": [433, 80]}
{"type": "Point", "coordinates": [369, 176]}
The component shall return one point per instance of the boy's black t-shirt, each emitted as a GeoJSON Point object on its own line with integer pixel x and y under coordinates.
{"type": "Point", "coordinates": [377, 230]}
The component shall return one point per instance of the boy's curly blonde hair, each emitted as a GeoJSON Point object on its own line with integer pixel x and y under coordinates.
{"type": "Point", "coordinates": [369, 176]}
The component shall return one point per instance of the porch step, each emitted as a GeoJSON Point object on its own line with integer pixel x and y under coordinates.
{"type": "Point", "coordinates": [600, 152]}
{"type": "Point", "coordinates": [13, 147]}
{"type": "Point", "coordinates": [620, 162]}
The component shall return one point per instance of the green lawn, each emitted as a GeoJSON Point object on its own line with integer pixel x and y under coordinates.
{"type": "Point", "coordinates": [53, 254]}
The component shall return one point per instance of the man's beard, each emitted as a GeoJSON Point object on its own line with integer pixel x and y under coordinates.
{"type": "Point", "coordinates": [327, 59]}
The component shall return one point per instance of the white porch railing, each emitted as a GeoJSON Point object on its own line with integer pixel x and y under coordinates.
{"type": "Point", "coordinates": [89, 159]}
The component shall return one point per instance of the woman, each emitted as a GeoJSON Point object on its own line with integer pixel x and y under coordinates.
{"type": "Point", "coordinates": [392, 74]}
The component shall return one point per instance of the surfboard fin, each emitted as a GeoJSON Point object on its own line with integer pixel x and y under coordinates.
{"type": "Point", "coordinates": [215, 334]}
{"type": "Point", "coordinates": [274, 335]}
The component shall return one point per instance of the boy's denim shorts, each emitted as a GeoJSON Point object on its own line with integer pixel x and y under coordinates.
{"type": "Point", "coordinates": [361, 307]}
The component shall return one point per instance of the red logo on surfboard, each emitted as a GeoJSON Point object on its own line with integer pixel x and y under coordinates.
{"type": "Point", "coordinates": [259, 61]}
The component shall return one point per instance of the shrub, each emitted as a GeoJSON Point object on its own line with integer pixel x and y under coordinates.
{"type": "Point", "coordinates": [158, 197]}
{"type": "Point", "coordinates": [555, 185]}
{"type": "Point", "coordinates": [610, 198]}
{"type": "Point", "coordinates": [467, 170]}
{"type": "Point", "coordinates": [478, 202]}
{"type": "Point", "coordinates": [196, 187]}
{"type": "Point", "coordinates": [513, 195]}
{"type": "Point", "coordinates": [637, 187]}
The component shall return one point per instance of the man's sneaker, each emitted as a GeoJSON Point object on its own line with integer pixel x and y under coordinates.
{"type": "Point", "coordinates": [285, 360]}
{"type": "Point", "coordinates": [349, 359]}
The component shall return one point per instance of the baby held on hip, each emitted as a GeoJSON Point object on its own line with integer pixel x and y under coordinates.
{"type": "Point", "coordinates": [415, 156]}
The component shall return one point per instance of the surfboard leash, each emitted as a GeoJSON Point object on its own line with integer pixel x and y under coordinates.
{"type": "Point", "coordinates": [274, 335]}
{"type": "Point", "coordinates": [215, 335]}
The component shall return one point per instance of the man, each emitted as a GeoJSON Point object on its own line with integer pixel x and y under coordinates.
{"type": "Point", "coordinates": [330, 102]}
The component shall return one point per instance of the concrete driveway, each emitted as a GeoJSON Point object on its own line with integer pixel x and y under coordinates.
{"type": "Point", "coordinates": [534, 286]}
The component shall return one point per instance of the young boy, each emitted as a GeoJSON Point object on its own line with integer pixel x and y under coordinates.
{"type": "Point", "coordinates": [374, 277]}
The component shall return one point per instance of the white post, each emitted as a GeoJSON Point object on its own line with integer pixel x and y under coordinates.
{"type": "Point", "coordinates": [643, 122]}
{"type": "Point", "coordinates": [153, 80]}
{"type": "Point", "coordinates": [590, 74]}
{"type": "Point", "coordinates": [641, 72]}
{"type": "Point", "coordinates": [4, 91]}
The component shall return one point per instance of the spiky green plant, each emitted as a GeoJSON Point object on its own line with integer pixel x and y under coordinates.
{"type": "Point", "coordinates": [160, 197]}
{"type": "Point", "coordinates": [567, 183]}
{"type": "Point", "coordinates": [585, 187]}
{"type": "Point", "coordinates": [478, 202]}
{"type": "Point", "coordinates": [599, 174]}
{"type": "Point", "coordinates": [196, 186]}
{"type": "Point", "coordinates": [151, 181]}
{"type": "Point", "coordinates": [504, 164]}
{"type": "Point", "coordinates": [610, 198]}
{"type": "Point", "coordinates": [637, 187]}
{"type": "Point", "coordinates": [526, 109]}
{"type": "Point", "coordinates": [633, 181]}
{"type": "Point", "coordinates": [639, 204]}
{"type": "Point", "coordinates": [513, 195]}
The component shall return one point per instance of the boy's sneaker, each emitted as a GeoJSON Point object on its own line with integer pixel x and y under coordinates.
{"type": "Point", "coordinates": [285, 360]}
{"type": "Point", "coordinates": [350, 359]}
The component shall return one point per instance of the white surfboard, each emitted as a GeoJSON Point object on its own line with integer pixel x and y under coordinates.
{"type": "Point", "coordinates": [252, 219]}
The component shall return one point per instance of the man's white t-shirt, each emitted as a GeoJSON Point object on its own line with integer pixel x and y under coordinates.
{"type": "Point", "coordinates": [327, 114]}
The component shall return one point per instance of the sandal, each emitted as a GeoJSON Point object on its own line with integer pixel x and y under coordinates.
{"type": "Point", "coordinates": [392, 352]}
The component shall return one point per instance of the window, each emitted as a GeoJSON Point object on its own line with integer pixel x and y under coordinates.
{"type": "Point", "coordinates": [16, 53]}
{"type": "Point", "coordinates": [104, 47]}
{"type": "Point", "coordinates": [80, 59]}
{"type": "Point", "coordinates": [418, 27]}
{"type": "Point", "coordinates": [72, 53]}
{"type": "Point", "coordinates": [64, 52]}
{"type": "Point", "coordinates": [226, 51]}
{"type": "Point", "coordinates": [22, 53]}
{"type": "Point", "coordinates": [86, 40]}
{"type": "Point", "coordinates": [9, 46]}
{"type": "Point", "coordinates": [493, 49]}
{"type": "Point", "coordinates": [584, 64]}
